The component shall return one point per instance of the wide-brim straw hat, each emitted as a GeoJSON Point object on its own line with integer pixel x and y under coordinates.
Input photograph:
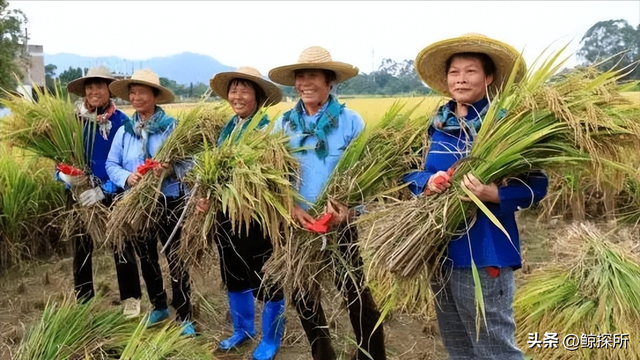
{"type": "Point", "coordinates": [220, 84]}
{"type": "Point", "coordinates": [315, 57]}
{"type": "Point", "coordinates": [120, 88]}
{"type": "Point", "coordinates": [77, 86]}
{"type": "Point", "coordinates": [431, 61]}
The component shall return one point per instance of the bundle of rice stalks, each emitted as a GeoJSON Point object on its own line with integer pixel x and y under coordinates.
{"type": "Point", "coordinates": [137, 209]}
{"type": "Point", "coordinates": [71, 331]}
{"type": "Point", "coordinates": [247, 178]}
{"type": "Point", "coordinates": [49, 128]}
{"type": "Point", "coordinates": [547, 125]}
{"type": "Point", "coordinates": [29, 199]}
{"type": "Point", "coordinates": [164, 343]}
{"type": "Point", "coordinates": [592, 292]}
{"type": "Point", "coordinates": [368, 171]}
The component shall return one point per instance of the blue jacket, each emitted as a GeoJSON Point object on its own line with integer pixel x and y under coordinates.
{"type": "Point", "coordinates": [489, 244]}
{"type": "Point", "coordinates": [315, 172]}
{"type": "Point", "coordinates": [126, 154]}
{"type": "Point", "coordinates": [100, 150]}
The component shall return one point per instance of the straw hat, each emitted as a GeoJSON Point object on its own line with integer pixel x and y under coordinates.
{"type": "Point", "coordinates": [314, 57]}
{"type": "Point", "coordinates": [220, 84]}
{"type": "Point", "coordinates": [77, 86]}
{"type": "Point", "coordinates": [431, 61]}
{"type": "Point", "coordinates": [120, 88]}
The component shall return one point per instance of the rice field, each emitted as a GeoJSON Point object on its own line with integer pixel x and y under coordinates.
{"type": "Point", "coordinates": [28, 288]}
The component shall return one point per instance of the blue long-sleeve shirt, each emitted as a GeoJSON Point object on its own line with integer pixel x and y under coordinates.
{"type": "Point", "coordinates": [126, 155]}
{"type": "Point", "coordinates": [489, 245]}
{"type": "Point", "coordinates": [97, 154]}
{"type": "Point", "coordinates": [314, 171]}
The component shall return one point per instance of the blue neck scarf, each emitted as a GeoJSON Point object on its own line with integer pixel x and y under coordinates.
{"type": "Point", "coordinates": [231, 125]}
{"type": "Point", "coordinates": [447, 121]}
{"type": "Point", "coordinates": [159, 122]}
{"type": "Point", "coordinates": [328, 120]}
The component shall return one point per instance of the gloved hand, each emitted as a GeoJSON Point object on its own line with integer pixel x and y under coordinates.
{"type": "Point", "coordinates": [91, 196]}
{"type": "Point", "coordinates": [72, 180]}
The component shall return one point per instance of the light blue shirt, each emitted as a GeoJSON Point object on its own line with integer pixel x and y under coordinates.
{"type": "Point", "coordinates": [314, 172]}
{"type": "Point", "coordinates": [126, 155]}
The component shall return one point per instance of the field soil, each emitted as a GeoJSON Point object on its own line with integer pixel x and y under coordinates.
{"type": "Point", "coordinates": [25, 290]}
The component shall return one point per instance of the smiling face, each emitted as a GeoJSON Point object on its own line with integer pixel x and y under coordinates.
{"type": "Point", "coordinates": [242, 98]}
{"type": "Point", "coordinates": [97, 92]}
{"type": "Point", "coordinates": [467, 80]}
{"type": "Point", "coordinates": [142, 98]}
{"type": "Point", "coordinates": [313, 87]}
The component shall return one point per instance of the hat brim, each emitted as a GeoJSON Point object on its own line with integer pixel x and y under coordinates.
{"type": "Point", "coordinates": [220, 84]}
{"type": "Point", "coordinates": [285, 75]}
{"type": "Point", "coordinates": [120, 88]}
{"type": "Point", "coordinates": [76, 86]}
{"type": "Point", "coordinates": [431, 61]}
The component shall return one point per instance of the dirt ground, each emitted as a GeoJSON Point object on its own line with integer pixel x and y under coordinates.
{"type": "Point", "coordinates": [25, 290]}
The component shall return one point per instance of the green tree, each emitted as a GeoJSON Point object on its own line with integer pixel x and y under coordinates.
{"type": "Point", "coordinates": [12, 39]}
{"type": "Point", "coordinates": [70, 74]}
{"type": "Point", "coordinates": [49, 75]}
{"type": "Point", "coordinates": [605, 40]}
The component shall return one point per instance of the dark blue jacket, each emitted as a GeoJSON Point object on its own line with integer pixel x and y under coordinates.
{"type": "Point", "coordinates": [100, 150]}
{"type": "Point", "coordinates": [489, 245]}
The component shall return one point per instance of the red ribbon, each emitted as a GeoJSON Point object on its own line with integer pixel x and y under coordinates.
{"type": "Point", "coordinates": [321, 225]}
{"type": "Point", "coordinates": [69, 170]}
{"type": "Point", "coordinates": [148, 165]}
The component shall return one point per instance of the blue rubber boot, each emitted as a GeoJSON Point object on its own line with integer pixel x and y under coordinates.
{"type": "Point", "coordinates": [272, 330]}
{"type": "Point", "coordinates": [157, 315]}
{"type": "Point", "coordinates": [188, 329]}
{"type": "Point", "coordinates": [242, 310]}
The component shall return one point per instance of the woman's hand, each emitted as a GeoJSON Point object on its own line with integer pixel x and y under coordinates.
{"type": "Point", "coordinates": [340, 213]}
{"type": "Point", "coordinates": [486, 193]}
{"type": "Point", "coordinates": [134, 179]}
{"type": "Point", "coordinates": [202, 205]}
{"type": "Point", "coordinates": [302, 217]}
{"type": "Point", "coordinates": [157, 171]}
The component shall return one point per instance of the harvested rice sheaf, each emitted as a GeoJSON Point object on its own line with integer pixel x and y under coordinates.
{"type": "Point", "coordinates": [137, 209]}
{"type": "Point", "coordinates": [246, 179]}
{"type": "Point", "coordinates": [592, 292]}
{"type": "Point", "coordinates": [548, 125]}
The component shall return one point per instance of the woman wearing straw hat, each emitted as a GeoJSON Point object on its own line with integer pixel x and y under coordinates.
{"type": "Point", "coordinates": [470, 69]}
{"type": "Point", "coordinates": [96, 106]}
{"type": "Point", "coordinates": [319, 122]}
{"type": "Point", "coordinates": [243, 254]}
{"type": "Point", "coordinates": [137, 140]}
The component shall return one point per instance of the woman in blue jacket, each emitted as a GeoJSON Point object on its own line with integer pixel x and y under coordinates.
{"type": "Point", "coordinates": [101, 121]}
{"type": "Point", "coordinates": [137, 140]}
{"type": "Point", "coordinates": [469, 69]}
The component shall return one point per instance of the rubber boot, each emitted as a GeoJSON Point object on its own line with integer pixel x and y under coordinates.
{"type": "Point", "coordinates": [272, 330]}
{"type": "Point", "coordinates": [242, 309]}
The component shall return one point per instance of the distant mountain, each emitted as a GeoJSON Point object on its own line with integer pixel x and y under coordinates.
{"type": "Point", "coordinates": [184, 68]}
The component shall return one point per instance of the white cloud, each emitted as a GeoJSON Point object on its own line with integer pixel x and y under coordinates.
{"type": "Point", "coordinates": [266, 34]}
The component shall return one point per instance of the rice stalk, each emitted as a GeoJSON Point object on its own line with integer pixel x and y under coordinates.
{"type": "Point", "coordinates": [547, 125]}
{"type": "Point", "coordinates": [592, 290]}
{"type": "Point", "coordinates": [246, 179]}
{"type": "Point", "coordinates": [68, 330]}
{"type": "Point", "coordinates": [367, 172]}
{"type": "Point", "coordinates": [50, 128]}
{"type": "Point", "coordinates": [137, 209]}
{"type": "Point", "coordinates": [163, 343]}
{"type": "Point", "coordinates": [29, 199]}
